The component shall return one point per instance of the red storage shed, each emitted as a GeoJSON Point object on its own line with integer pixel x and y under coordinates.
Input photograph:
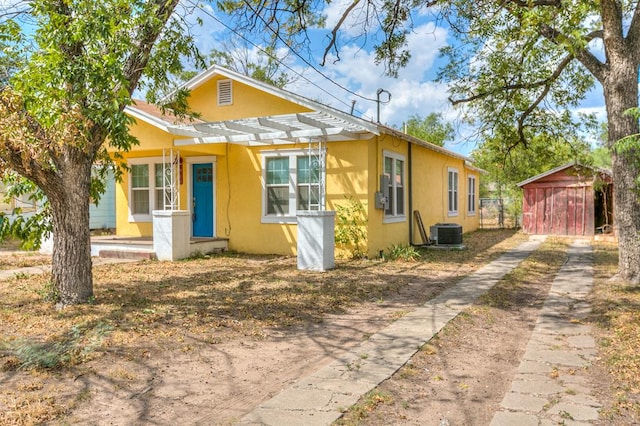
{"type": "Point", "coordinates": [569, 200]}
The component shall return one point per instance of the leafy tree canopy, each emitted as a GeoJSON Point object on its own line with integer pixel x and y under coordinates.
{"type": "Point", "coordinates": [67, 80]}
{"type": "Point", "coordinates": [432, 128]}
{"type": "Point", "coordinates": [506, 165]}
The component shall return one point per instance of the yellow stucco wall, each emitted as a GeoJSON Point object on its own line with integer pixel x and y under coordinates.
{"type": "Point", "coordinates": [247, 102]}
{"type": "Point", "coordinates": [152, 143]}
{"type": "Point", "coordinates": [430, 183]}
{"type": "Point", "coordinates": [346, 175]}
{"type": "Point", "coordinates": [353, 169]}
{"type": "Point", "coordinates": [383, 235]}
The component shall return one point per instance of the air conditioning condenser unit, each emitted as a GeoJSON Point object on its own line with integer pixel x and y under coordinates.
{"type": "Point", "coordinates": [446, 233]}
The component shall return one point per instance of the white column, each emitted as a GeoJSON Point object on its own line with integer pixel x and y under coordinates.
{"type": "Point", "coordinates": [316, 240]}
{"type": "Point", "coordinates": [171, 234]}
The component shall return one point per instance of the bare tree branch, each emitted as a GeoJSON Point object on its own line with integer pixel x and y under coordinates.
{"type": "Point", "coordinates": [334, 32]}
{"type": "Point", "coordinates": [139, 58]}
{"type": "Point", "coordinates": [593, 64]}
{"type": "Point", "coordinates": [541, 97]}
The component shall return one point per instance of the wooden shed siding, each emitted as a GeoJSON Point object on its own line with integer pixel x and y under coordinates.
{"type": "Point", "coordinates": [558, 204]}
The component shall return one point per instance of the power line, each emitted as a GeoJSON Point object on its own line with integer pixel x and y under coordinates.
{"type": "Point", "coordinates": [304, 60]}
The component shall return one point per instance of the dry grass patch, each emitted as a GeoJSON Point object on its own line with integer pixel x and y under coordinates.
{"type": "Point", "coordinates": [617, 312]}
{"type": "Point", "coordinates": [154, 308]}
{"type": "Point", "coordinates": [11, 257]}
{"type": "Point", "coordinates": [22, 259]}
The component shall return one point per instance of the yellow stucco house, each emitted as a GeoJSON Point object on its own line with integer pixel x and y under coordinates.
{"type": "Point", "coordinates": [257, 156]}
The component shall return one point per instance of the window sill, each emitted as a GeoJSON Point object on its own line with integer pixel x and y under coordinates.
{"type": "Point", "coordinates": [279, 219]}
{"type": "Point", "coordinates": [140, 218]}
{"type": "Point", "coordinates": [452, 214]}
{"type": "Point", "coordinates": [394, 219]}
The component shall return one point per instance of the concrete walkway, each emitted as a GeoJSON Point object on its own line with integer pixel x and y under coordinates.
{"type": "Point", "coordinates": [551, 386]}
{"type": "Point", "coordinates": [319, 398]}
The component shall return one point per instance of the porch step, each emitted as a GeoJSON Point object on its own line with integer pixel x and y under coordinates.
{"type": "Point", "coordinates": [128, 254]}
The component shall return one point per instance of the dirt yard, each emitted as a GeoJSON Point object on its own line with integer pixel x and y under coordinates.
{"type": "Point", "coordinates": [204, 341]}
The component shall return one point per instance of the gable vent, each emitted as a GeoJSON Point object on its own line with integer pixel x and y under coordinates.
{"type": "Point", "coordinates": [224, 92]}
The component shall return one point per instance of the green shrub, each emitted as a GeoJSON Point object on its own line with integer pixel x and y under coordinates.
{"type": "Point", "coordinates": [351, 230]}
{"type": "Point", "coordinates": [68, 348]}
{"type": "Point", "coordinates": [403, 252]}
{"type": "Point", "coordinates": [49, 292]}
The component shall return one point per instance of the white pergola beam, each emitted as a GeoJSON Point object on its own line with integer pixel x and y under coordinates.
{"type": "Point", "coordinates": [267, 122]}
{"type": "Point", "coordinates": [272, 130]}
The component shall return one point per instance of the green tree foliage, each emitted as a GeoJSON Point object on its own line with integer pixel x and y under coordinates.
{"type": "Point", "coordinates": [432, 128]}
{"type": "Point", "coordinates": [73, 72]}
{"type": "Point", "coordinates": [508, 164]}
{"type": "Point", "coordinates": [534, 61]}
{"type": "Point", "coordinates": [601, 156]}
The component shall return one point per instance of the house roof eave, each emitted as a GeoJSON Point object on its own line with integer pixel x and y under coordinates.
{"type": "Point", "coordinates": [138, 114]}
{"type": "Point", "coordinates": [416, 141]}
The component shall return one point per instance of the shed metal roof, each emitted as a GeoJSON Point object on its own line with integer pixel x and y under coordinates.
{"type": "Point", "coordinates": [559, 169]}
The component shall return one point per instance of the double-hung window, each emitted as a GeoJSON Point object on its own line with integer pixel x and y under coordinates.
{"type": "Point", "coordinates": [146, 188]}
{"type": "Point", "coordinates": [471, 195]}
{"type": "Point", "coordinates": [394, 169]}
{"type": "Point", "coordinates": [140, 189]}
{"type": "Point", "coordinates": [277, 183]}
{"type": "Point", "coordinates": [291, 182]}
{"type": "Point", "coordinates": [453, 191]}
{"type": "Point", "coordinates": [308, 175]}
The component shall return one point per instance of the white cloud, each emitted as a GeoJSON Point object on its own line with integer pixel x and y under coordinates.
{"type": "Point", "coordinates": [205, 35]}
{"type": "Point", "coordinates": [411, 93]}
{"type": "Point", "coordinates": [599, 111]}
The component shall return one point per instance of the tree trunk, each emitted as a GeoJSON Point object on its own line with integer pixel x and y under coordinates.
{"type": "Point", "coordinates": [71, 267]}
{"type": "Point", "coordinates": [621, 94]}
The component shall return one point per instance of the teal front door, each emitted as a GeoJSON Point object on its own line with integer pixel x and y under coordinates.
{"type": "Point", "coordinates": [202, 200]}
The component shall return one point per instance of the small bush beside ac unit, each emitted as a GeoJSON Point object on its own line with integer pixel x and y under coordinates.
{"type": "Point", "coordinates": [446, 233]}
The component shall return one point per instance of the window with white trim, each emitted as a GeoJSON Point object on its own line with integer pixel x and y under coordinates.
{"type": "Point", "coordinates": [471, 195]}
{"type": "Point", "coordinates": [308, 174]}
{"type": "Point", "coordinates": [452, 191]}
{"type": "Point", "coordinates": [277, 183]}
{"type": "Point", "coordinates": [291, 182]}
{"type": "Point", "coordinates": [394, 171]}
{"type": "Point", "coordinates": [146, 188]}
{"type": "Point", "coordinates": [225, 92]}
{"type": "Point", "coordinates": [140, 193]}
